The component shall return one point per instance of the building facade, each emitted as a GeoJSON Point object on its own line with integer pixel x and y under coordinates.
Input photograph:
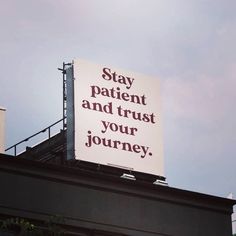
{"type": "Point", "coordinates": [95, 200]}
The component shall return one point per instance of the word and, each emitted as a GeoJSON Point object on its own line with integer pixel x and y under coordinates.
{"type": "Point", "coordinates": [109, 75]}
{"type": "Point", "coordinates": [96, 140]}
{"type": "Point", "coordinates": [96, 106]}
{"type": "Point", "coordinates": [117, 94]}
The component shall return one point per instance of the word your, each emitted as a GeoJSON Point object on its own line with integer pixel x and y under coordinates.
{"type": "Point", "coordinates": [108, 75]}
{"type": "Point", "coordinates": [117, 94]}
{"type": "Point", "coordinates": [96, 140]}
{"type": "Point", "coordinates": [121, 128]}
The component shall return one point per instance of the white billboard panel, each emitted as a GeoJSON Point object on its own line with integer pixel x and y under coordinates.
{"type": "Point", "coordinates": [117, 118]}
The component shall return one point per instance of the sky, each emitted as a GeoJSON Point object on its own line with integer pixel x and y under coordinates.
{"type": "Point", "coordinates": [188, 44]}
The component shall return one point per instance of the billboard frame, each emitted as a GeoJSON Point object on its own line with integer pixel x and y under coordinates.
{"type": "Point", "coordinates": [69, 108]}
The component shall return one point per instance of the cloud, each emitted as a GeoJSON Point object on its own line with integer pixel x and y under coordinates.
{"type": "Point", "coordinates": [199, 129]}
{"type": "Point", "coordinates": [204, 98]}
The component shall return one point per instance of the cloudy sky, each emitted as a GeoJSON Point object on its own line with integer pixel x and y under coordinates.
{"type": "Point", "coordinates": [188, 44]}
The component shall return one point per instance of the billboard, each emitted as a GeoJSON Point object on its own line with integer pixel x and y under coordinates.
{"type": "Point", "coordinates": [117, 118]}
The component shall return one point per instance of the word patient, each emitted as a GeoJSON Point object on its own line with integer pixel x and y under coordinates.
{"type": "Point", "coordinates": [97, 91]}
{"type": "Point", "coordinates": [109, 143]}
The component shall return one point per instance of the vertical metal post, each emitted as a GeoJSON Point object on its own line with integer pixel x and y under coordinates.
{"type": "Point", "coordinates": [64, 154]}
{"type": "Point", "coordinates": [66, 66]}
{"type": "Point", "coordinates": [70, 113]}
{"type": "Point", "coordinates": [67, 72]}
{"type": "Point", "coordinates": [64, 95]}
{"type": "Point", "coordinates": [49, 132]}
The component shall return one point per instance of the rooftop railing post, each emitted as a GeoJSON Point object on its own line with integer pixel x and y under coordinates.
{"type": "Point", "coordinates": [49, 132]}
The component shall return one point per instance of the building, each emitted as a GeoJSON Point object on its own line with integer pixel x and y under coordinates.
{"type": "Point", "coordinates": [93, 200]}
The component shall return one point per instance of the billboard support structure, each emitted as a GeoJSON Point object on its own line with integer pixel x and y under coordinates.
{"type": "Point", "coordinates": [64, 96]}
{"type": "Point", "coordinates": [69, 112]}
{"type": "Point", "coordinates": [68, 108]}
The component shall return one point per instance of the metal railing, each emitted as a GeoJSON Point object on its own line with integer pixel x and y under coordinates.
{"type": "Point", "coordinates": [48, 129]}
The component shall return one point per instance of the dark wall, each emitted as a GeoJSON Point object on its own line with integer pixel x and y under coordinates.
{"type": "Point", "coordinates": [97, 201]}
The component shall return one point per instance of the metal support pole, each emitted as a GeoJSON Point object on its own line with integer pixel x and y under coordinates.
{"type": "Point", "coordinates": [64, 96]}
{"type": "Point", "coordinates": [64, 112]}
